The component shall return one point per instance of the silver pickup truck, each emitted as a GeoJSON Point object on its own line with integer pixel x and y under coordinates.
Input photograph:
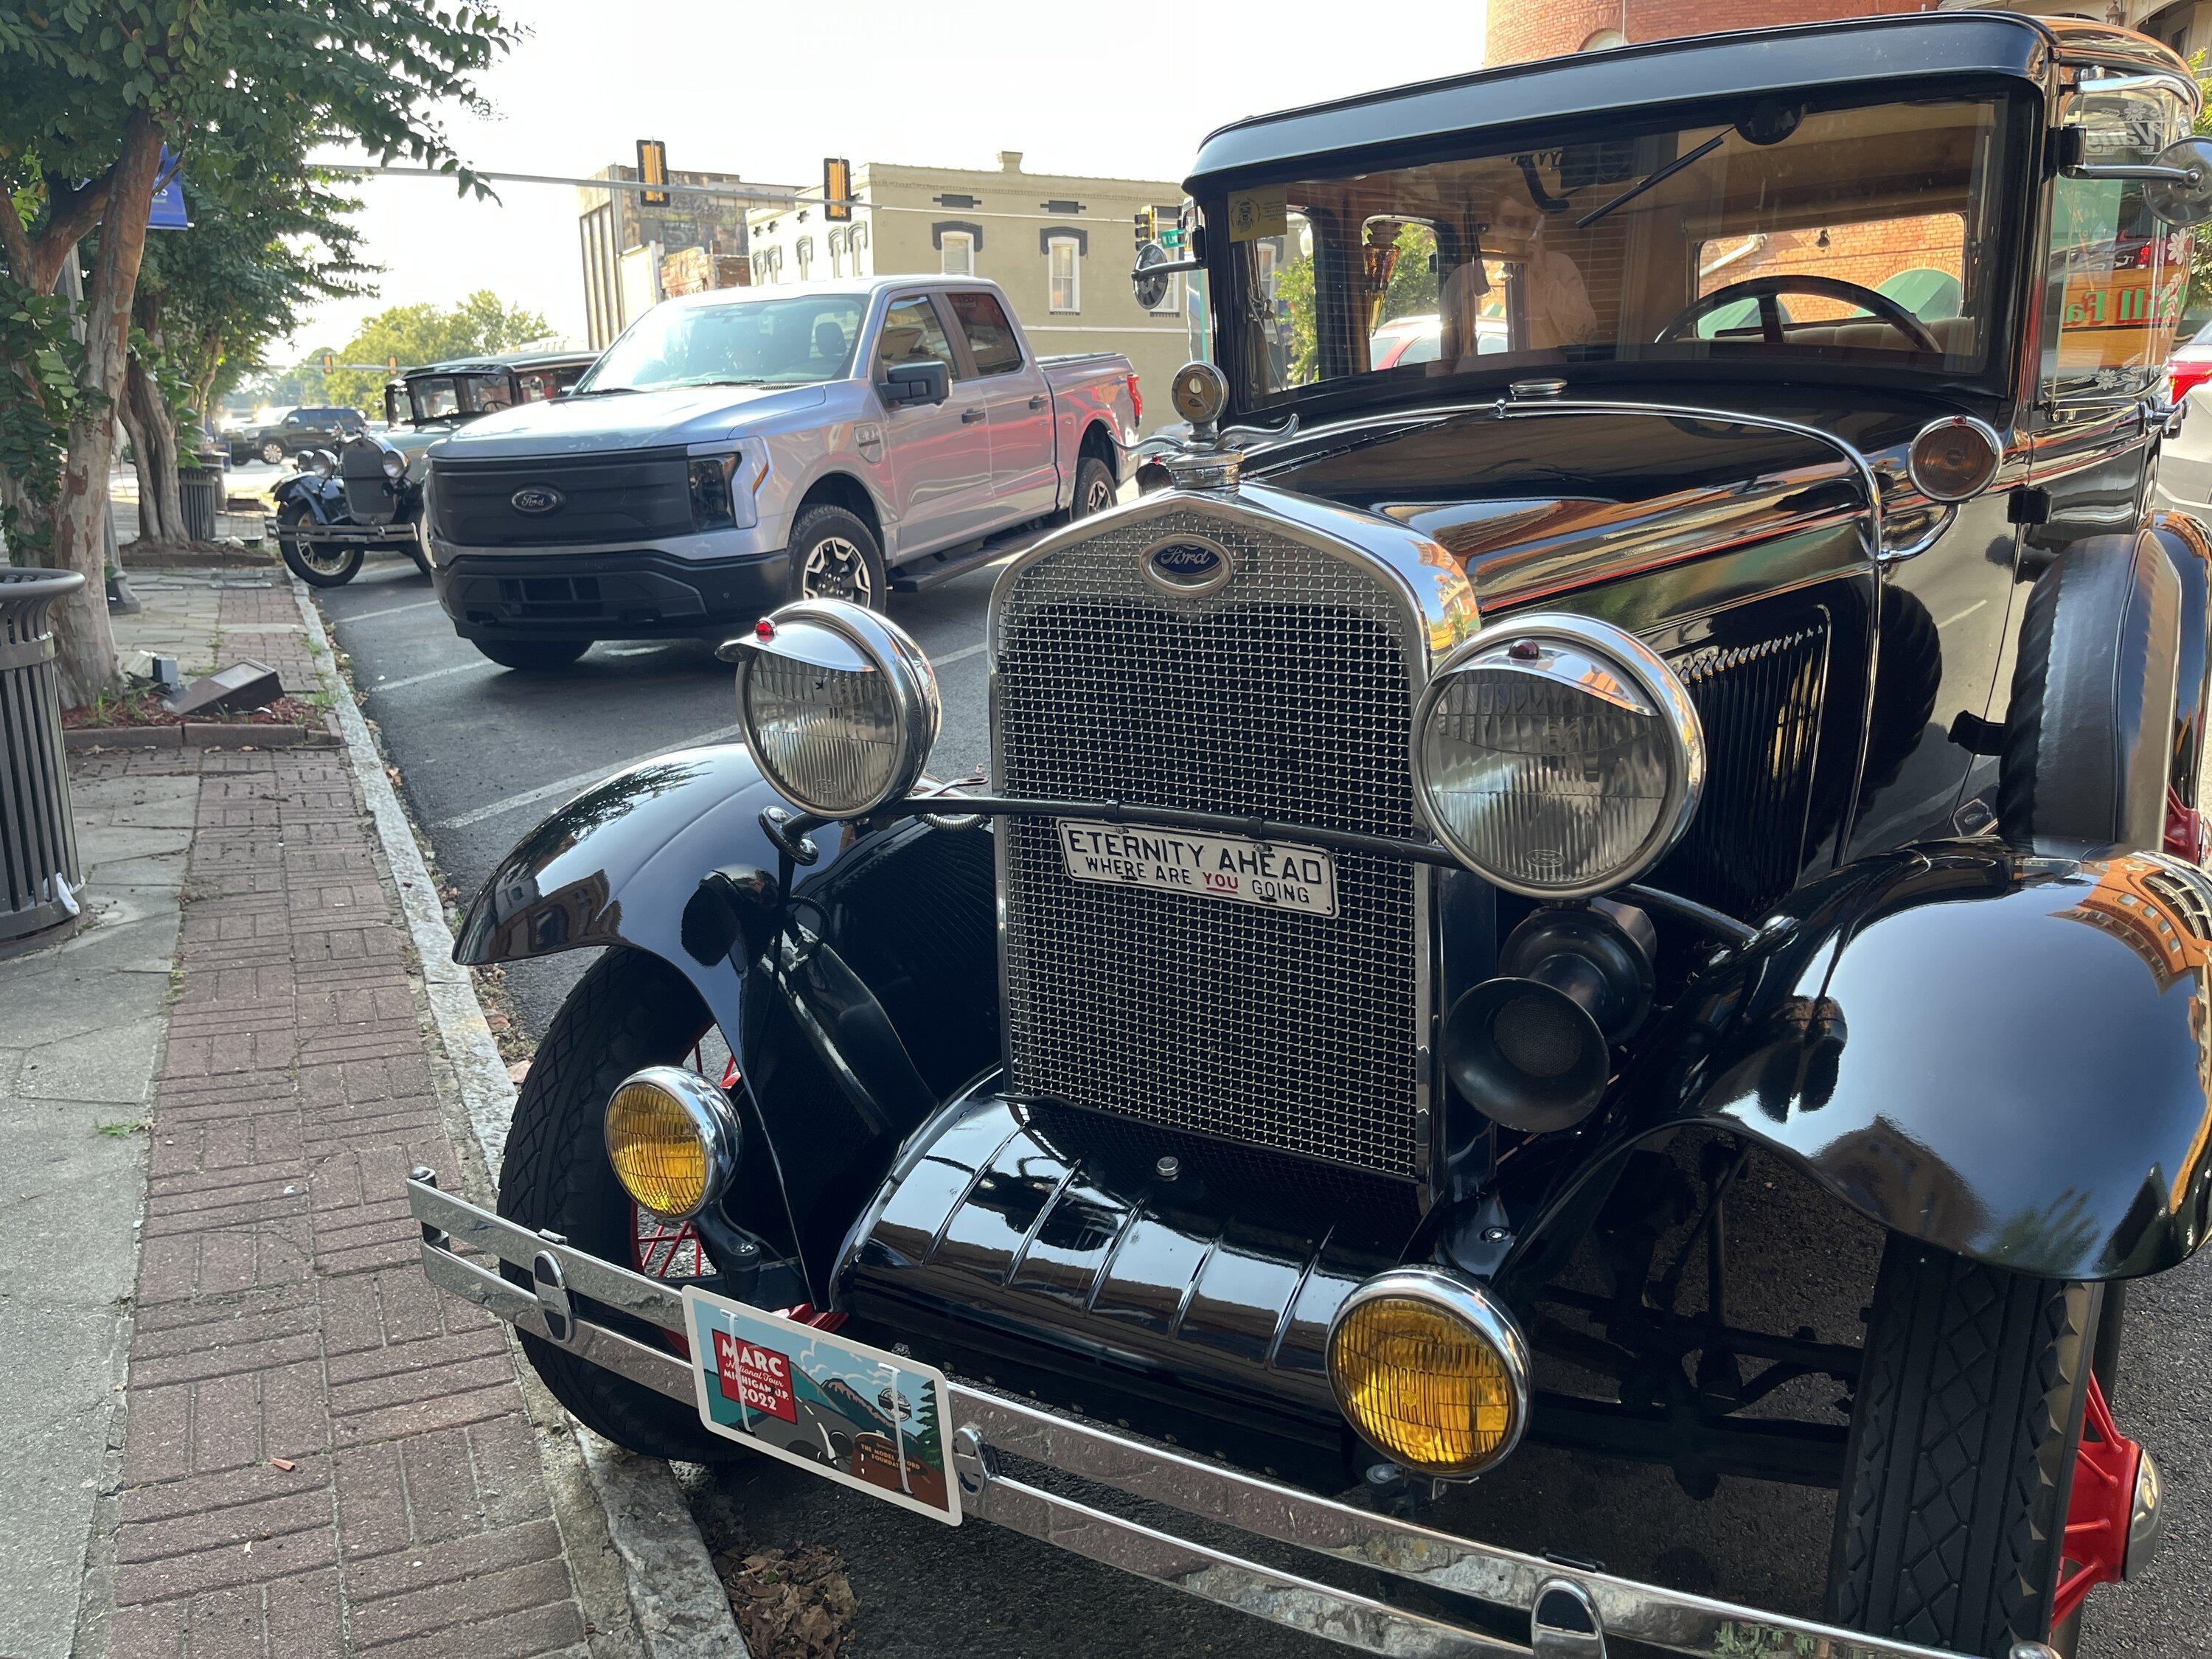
{"type": "Point", "coordinates": [738, 449]}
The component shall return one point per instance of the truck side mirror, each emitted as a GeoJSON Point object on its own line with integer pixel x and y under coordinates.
{"type": "Point", "coordinates": [924, 380]}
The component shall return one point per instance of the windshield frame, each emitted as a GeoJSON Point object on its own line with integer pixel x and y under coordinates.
{"type": "Point", "coordinates": [2023, 115]}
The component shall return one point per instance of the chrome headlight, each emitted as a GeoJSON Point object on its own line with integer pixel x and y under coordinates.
{"type": "Point", "coordinates": [1557, 757]}
{"type": "Point", "coordinates": [395, 465]}
{"type": "Point", "coordinates": [840, 706]}
{"type": "Point", "coordinates": [673, 1138]}
{"type": "Point", "coordinates": [322, 463]}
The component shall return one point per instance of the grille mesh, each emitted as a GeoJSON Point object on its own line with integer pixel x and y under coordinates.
{"type": "Point", "coordinates": [1287, 695]}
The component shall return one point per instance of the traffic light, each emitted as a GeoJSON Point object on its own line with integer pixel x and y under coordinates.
{"type": "Point", "coordinates": [392, 364]}
{"type": "Point", "coordinates": [1148, 226]}
{"type": "Point", "coordinates": [330, 361]}
{"type": "Point", "coordinates": [837, 189]}
{"type": "Point", "coordinates": [652, 169]}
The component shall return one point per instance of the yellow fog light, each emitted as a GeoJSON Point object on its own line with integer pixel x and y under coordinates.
{"type": "Point", "coordinates": [1431, 1371]}
{"type": "Point", "coordinates": [673, 1140]}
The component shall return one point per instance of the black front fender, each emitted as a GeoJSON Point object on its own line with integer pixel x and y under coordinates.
{"type": "Point", "coordinates": [2002, 1054]}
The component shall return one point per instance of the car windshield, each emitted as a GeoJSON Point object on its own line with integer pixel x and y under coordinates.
{"type": "Point", "coordinates": [446, 396]}
{"type": "Point", "coordinates": [790, 340]}
{"type": "Point", "coordinates": [1791, 231]}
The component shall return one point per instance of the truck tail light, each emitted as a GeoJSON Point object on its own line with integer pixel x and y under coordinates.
{"type": "Point", "coordinates": [1136, 399]}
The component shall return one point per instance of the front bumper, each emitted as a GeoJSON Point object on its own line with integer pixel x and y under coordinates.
{"type": "Point", "coordinates": [641, 594]}
{"type": "Point", "coordinates": [1574, 1612]}
{"type": "Point", "coordinates": [370, 535]}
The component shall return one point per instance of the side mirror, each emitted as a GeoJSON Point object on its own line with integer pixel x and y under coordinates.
{"type": "Point", "coordinates": [2177, 181]}
{"type": "Point", "coordinates": [924, 380]}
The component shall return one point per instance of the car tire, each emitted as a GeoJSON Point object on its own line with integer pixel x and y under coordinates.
{"type": "Point", "coordinates": [315, 566]}
{"type": "Point", "coordinates": [1960, 1463]}
{"type": "Point", "coordinates": [2089, 730]}
{"type": "Point", "coordinates": [835, 556]}
{"type": "Point", "coordinates": [273, 453]}
{"type": "Point", "coordinates": [628, 1010]}
{"type": "Point", "coordinates": [422, 560]}
{"type": "Point", "coordinates": [532, 656]}
{"type": "Point", "coordinates": [1094, 489]}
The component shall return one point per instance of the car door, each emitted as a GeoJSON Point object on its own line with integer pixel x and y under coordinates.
{"type": "Point", "coordinates": [1024, 474]}
{"type": "Point", "coordinates": [939, 455]}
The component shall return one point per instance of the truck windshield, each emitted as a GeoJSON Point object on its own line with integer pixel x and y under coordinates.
{"type": "Point", "coordinates": [782, 341]}
{"type": "Point", "coordinates": [1791, 233]}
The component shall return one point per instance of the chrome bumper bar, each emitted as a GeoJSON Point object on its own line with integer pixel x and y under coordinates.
{"type": "Point", "coordinates": [376, 535]}
{"type": "Point", "coordinates": [1574, 1612]}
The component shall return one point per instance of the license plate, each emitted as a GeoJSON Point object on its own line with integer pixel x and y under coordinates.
{"type": "Point", "coordinates": [1275, 874]}
{"type": "Point", "coordinates": [851, 1413]}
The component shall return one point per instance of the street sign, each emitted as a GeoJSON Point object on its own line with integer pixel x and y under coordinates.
{"type": "Point", "coordinates": [652, 169]}
{"type": "Point", "coordinates": [837, 189]}
{"type": "Point", "coordinates": [167, 211]}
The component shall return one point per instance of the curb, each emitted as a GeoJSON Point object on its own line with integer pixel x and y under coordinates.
{"type": "Point", "coordinates": [197, 734]}
{"type": "Point", "coordinates": [681, 1608]}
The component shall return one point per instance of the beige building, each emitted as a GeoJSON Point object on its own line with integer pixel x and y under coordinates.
{"type": "Point", "coordinates": [1061, 247]}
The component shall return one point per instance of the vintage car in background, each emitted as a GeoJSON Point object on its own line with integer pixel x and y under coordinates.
{"type": "Point", "coordinates": [1636, 894]}
{"type": "Point", "coordinates": [367, 496]}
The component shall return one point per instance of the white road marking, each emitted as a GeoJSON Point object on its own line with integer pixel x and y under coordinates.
{"type": "Point", "coordinates": [961, 655]}
{"type": "Point", "coordinates": [430, 674]}
{"type": "Point", "coordinates": [568, 786]}
{"type": "Point", "coordinates": [388, 611]}
{"type": "Point", "coordinates": [1962, 616]}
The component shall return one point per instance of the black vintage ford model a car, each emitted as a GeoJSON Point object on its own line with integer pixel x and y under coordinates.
{"type": "Point", "coordinates": [1724, 703]}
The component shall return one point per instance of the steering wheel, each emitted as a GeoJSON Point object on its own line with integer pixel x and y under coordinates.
{"type": "Point", "coordinates": [1766, 289]}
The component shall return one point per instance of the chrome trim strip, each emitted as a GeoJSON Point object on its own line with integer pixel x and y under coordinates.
{"type": "Point", "coordinates": [1670, 1619]}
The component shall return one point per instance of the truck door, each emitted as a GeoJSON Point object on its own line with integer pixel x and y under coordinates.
{"type": "Point", "coordinates": [1024, 471]}
{"type": "Point", "coordinates": [939, 455]}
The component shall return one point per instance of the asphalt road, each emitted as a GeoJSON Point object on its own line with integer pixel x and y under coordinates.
{"type": "Point", "coordinates": [483, 752]}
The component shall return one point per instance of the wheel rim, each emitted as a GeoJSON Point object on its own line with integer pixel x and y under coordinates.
{"type": "Point", "coordinates": [1099, 497]}
{"type": "Point", "coordinates": [273, 453]}
{"type": "Point", "coordinates": [322, 562]}
{"type": "Point", "coordinates": [2106, 1468]}
{"type": "Point", "coordinates": [837, 569]}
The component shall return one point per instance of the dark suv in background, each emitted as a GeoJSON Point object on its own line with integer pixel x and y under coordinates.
{"type": "Point", "coordinates": [300, 431]}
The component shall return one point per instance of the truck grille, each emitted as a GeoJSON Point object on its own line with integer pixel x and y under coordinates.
{"type": "Point", "coordinates": [631, 497]}
{"type": "Point", "coordinates": [1287, 695]}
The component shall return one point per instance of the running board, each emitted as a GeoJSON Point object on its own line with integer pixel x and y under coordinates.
{"type": "Point", "coordinates": [925, 573]}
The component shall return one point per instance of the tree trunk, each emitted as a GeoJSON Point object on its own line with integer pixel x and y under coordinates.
{"type": "Point", "coordinates": [153, 429]}
{"type": "Point", "coordinates": [84, 641]}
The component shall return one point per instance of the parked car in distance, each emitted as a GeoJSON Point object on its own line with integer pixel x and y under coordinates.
{"type": "Point", "coordinates": [301, 431]}
{"type": "Point", "coordinates": [2190, 366]}
{"type": "Point", "coordinates": [338, 509]}
{"type": "Point", "coordinates": [1420, 339]}
{"type": "Point", "coordinates": [738, 449]}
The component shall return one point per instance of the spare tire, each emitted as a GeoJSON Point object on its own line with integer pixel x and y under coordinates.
{"type": "Point", "coordinates": [2089, 733]}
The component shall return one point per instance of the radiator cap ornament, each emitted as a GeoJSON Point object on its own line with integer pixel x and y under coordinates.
{"type": "Point", "coordinates": [1189, 566]}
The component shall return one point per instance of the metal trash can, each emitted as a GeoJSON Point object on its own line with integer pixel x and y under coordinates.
{"type": "Point", "coordinates": [201, 489]}
{"type": "Point", "coordinates": [39, 871]}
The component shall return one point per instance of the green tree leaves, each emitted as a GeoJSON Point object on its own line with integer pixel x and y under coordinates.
{"type": "Point", "coordinates": [423, 334]}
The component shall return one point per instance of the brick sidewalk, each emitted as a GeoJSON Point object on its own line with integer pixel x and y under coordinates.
{"type": "Point", "coordinates": [280, 1313]}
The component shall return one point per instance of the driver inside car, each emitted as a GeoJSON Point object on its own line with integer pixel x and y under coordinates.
{"type": "Point", "coordinates": [1556, 302]}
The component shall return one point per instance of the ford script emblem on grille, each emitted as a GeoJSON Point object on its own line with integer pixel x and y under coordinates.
{"type": "Point", "coordinates": [536, 499]}
{"type": "Point", "coordinates": [1187, 564]}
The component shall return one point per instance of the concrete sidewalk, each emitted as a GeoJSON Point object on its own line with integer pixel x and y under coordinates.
{"type": "Point", "coordinates": [314, 1452]}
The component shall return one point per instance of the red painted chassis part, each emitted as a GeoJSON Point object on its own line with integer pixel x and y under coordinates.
{"type": "Point", "coordinates": [2104, 1467]}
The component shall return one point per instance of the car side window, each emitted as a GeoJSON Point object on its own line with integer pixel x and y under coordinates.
{"type": "Point", "coordinates": [991, 337]}
{"type": "Point", "coordinates": [912, 334]}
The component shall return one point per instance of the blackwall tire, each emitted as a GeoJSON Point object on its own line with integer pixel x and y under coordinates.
{"type": "Point", "coordinates": [530, 656]}
{"type": "Point", "coordinates": [834, 555]}
{"type": "Point", "coordinates": [1961, 1464]}
{"type": "Point", "coordinates": [273, 453]}
{"type": "Point", "coordinates": [1094, 489]}
{"type": "Point", "coordinates": [332, 566]}
{"type": "Point", "coordinates": [630, 1010]}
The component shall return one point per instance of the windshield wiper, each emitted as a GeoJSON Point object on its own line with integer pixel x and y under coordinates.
{"type": "Point", "coordinates": [1649, 180]}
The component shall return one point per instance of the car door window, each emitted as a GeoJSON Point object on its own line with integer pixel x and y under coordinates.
{"type": "Point", "coordinates": [912, 334]}
{"type": "Point", "coordinates": [991, 337]}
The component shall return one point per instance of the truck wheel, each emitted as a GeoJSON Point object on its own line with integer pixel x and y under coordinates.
{"type": "Point", "coordinates": [1094, 489]}
{"type": "Point", "coordinates": [273, 453]}
{"type": "Point", "coordinates": [1964, 1440]}
{"type": "Point", "coordinates": [531, 656]}
{"type": "Point", "coordinates": [630, 1010]}
{"type": "Point", "coordinates": [834, 556]}
{"type": "Point", "coordinates": [318, 564]}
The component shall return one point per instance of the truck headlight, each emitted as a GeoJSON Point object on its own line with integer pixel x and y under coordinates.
{"type": "Point", "coordinates": [1557, 757]}
{"type": "Point", "coordinates": [1431, 1371]}
{"type": "Point", "coordinates": [726, 487]}
{"type": "Point", "coordinates": [673, 1138]}
{"type": "Point", "coordinates": [840, 706]}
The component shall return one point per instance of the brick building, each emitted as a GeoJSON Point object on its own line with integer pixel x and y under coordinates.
{"type": "Point", "coordinates": [1522, 29]}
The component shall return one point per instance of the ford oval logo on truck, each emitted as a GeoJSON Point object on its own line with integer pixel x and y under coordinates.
{"type": "Point", "coordinates": [536, 499]}
{"type": "Point", "coordinates": [1187, 564]}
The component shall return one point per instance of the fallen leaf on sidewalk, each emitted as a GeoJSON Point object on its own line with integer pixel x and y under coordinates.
{"type": "Point", "coordinates": [517, 1072]}
{"type": "Point", "coordinates": [283, 1463]}
{"type": "Point", "coordinates": [790, 1604]}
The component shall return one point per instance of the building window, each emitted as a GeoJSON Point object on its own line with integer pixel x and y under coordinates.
{"type": "Point", "coordinates": [836, 253]}
{"type": "Point", "coordinates": [1064, 268]}
{"type": "Point", "coordinates": [956, 254]}
{"type": "Point", "coordinates": [805, 258]}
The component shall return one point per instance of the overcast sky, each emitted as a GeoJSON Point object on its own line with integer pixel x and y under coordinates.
{"type": "Point", "coordinates": [1125, 90]}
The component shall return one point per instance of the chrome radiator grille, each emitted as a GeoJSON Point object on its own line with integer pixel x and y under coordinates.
{"type": "Point", "coordinates": [1287, 695]}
